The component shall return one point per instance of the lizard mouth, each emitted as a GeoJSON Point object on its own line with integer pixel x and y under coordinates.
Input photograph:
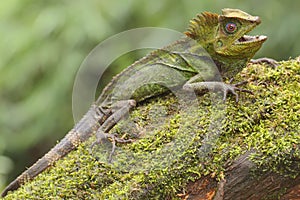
{"type": "Point", "coordinates": [249, 39]}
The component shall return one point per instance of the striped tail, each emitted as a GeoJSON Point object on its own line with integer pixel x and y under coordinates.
{"type": "Point", "coordinates": [80, 133]}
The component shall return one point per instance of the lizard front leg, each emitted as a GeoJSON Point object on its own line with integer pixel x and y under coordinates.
{"type": "Point", "coordinates": [192, 85]}
{"type": "Point", "coordinates": [120, 109]}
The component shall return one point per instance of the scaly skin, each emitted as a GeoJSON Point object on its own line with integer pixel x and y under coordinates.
{"type": "Point", "coordinates": [214, 48]}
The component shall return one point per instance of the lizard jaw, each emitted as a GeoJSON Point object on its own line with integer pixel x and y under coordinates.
{"type": "Point", "coordinates": [249, 39]}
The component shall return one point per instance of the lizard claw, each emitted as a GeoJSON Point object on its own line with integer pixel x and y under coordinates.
{"type": "Point", "coordinates": [232, 88]}
{"type": "Point", "coordinates": [269, 61]}
{"type": "Point", "coordinates": [115, 139]}
{"type": "Point", "coordinates": [219, 86]}
{"type": "Point", "coordinates": [100, 135]}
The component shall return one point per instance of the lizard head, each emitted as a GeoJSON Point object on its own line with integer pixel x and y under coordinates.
{"type": "Point", "coordinates": [231, 38]}
{"type": "Point", "coordinates": [225, 35]}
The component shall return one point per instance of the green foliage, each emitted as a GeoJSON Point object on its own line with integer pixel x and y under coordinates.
{"type": "Point", "coordinates": [43, 44]}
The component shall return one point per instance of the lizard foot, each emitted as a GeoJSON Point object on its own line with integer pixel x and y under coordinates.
{"type": "Point", "coordinates": [233, 88]}
{"type": "Point", "coordinates": [113, 138]}
{"type": "Point", "coordinates": [218, 86]}
{"type": "Point", "coordinates": [269, 61]}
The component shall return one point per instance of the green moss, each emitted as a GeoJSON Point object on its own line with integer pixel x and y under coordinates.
{"type": "Point", "coordinates": [177, 141]}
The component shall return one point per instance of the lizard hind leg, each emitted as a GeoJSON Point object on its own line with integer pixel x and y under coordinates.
{"type": "Point", "coordinates": [120, 110]}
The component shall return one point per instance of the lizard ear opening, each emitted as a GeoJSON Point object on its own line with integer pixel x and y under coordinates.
{"type": "Point", "coordinates": [199, 26]}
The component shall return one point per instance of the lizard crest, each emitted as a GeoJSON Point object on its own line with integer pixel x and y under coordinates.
{"type": "Point", "coordinates": [198, 26]}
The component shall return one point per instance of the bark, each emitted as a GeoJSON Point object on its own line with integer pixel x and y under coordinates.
{"type": "Point", "coordinates": [242, 182]}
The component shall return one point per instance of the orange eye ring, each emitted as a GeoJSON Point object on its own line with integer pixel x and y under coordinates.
{"type": "Point", "coordinates": [230, 27]}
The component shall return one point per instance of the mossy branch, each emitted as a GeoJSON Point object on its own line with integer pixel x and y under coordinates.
{"type": "Point", "coordinates": [200, 148]}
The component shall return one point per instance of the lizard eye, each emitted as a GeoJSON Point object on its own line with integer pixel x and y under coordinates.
{"type": "Point", "coordinates": [230, 27]}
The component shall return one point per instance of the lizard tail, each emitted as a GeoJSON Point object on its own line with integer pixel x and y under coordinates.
{"type": "Point", "coordinates": [29, 174]}
{"type": "Point", "coordinates": [66, 145]}
{"type": "Point", "coordinates": [12, 186]}
{"type": "Point", "coordinates": [80, 133]}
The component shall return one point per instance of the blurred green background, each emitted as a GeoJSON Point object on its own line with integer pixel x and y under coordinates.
{"type": "Point", "coordinates": [43, 44]}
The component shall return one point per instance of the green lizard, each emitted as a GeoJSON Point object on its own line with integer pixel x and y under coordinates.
{"type": "Point", "coordinates": [215, 48]}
